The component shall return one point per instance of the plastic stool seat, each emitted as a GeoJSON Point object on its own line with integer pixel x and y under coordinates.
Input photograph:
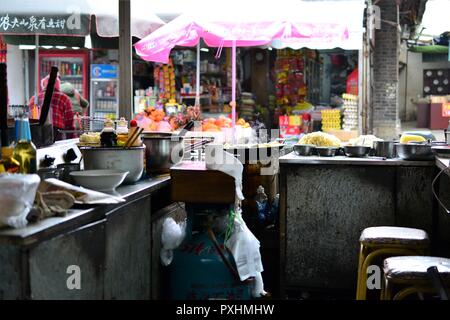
{"type": "Point", "coordinates": [394, 236]}
{"type": "Point", "coordinates": [383, 242]}
{"type": "Point", "coordinates": [413, 268]}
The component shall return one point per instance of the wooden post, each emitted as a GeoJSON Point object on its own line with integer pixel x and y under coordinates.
{"type": "Point", "coordinates": [125, 61]}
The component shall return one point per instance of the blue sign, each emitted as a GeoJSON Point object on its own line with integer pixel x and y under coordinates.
{"type": "Point", "coordinates": [104, 71]}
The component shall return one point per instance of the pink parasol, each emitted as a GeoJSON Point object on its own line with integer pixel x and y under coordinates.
{"type": "Point", "coordinates": [243, 24]}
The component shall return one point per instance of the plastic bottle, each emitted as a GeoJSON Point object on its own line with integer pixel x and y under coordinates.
{"type": "Point", "coordinates": [261, 204]}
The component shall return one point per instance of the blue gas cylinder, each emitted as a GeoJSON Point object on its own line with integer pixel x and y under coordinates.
{"type": "Point", "coordinates": [198, 272]}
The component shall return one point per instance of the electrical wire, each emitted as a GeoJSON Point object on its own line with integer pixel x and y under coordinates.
{"type": "Point", "coordinates": [434, 191]}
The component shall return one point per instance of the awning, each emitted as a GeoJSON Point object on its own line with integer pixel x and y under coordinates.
{"type": "Point", "coordinates": [67, 22]}
{"type": "Point", "coordinates": [432, 49]}
{"type": "Point", "coordinates": [347, 13]}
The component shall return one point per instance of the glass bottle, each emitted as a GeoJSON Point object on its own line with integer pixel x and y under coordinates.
{"type": "Point", "coordinates": [8, 164]}
{"type": "Point", "coordinates": [24, 150]}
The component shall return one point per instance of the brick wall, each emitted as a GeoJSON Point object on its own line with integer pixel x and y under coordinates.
{"type": "Point", "coordinates": [385, 73]}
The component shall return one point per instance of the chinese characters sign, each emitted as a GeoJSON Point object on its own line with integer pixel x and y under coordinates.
{"type": "Point", "coordinates": [446, 109]}
{"type": "Point", "coordinates": [60, 25]}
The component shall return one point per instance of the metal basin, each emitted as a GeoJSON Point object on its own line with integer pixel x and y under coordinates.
{"type": "Point", "coordinates": [385, 149]}
{"type": "Point", "coordinates": [131, 160]}
{"type": "Point", "coordinates": [163, 150]}
{"type": "Point", "coordinates": [304, 149]}
{"type": "Point", "coordinates": [414, 151]}
{"type": "Point", "coordinates": [326, 151]}
{"type": "Point", "coordinates": [356, 151]}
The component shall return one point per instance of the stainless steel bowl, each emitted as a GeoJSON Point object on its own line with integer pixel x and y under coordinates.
{"type": "Point", "coordinates": [414, 151]}
{"type": "Point", "coordinates": [163, 150]}
{"type": "Point", "coordinates": [326, 151]}
{"type": "Point", "coordinates": [304, 149]}
{"type": "Point", "coordinates": [385, 149]}
{"type": "Point", "coordinates": [356, 151]}
{"type": "Point", "coordinates": [117, 158]}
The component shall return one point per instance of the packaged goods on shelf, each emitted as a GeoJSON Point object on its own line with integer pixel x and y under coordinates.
{"type": "Point", "coordinates": [350, 121]}
{"type": "Point", "coordinates": [331, 119]}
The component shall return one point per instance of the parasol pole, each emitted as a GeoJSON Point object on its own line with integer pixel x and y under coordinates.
{"type": "Point", "coordinates": [233, 89]}
{"type": "Point", "coordinates": [36, 69]}
{"type": "Point", "coordinates": [197, 77]}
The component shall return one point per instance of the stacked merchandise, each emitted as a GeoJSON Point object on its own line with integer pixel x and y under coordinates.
{"type": "Point", "coordinates": [290, 82]}
{"type": "Point", "coordinates": [331, 119]}
{"type": "Point", "coordinates": [247, 107]}
{"type": "Point", "coordinates": [350, 121]}
{"type": "Point", "coordinates": [165, 81]}
{"type": "Point", "coordinates": [3, 51]}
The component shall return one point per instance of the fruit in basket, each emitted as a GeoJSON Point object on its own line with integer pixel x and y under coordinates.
{"type": "Point", "coordinates": [164, 126]}
{"type": "Point", "coordinates": [211, 127]}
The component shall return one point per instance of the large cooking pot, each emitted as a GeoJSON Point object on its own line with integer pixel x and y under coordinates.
{"type": "Point", "coordinates": [385, 149]}
{"type": "Point", "coordinates": [163, 150]}
{"type": "Point", "coordinates": [414, 151]}
{"type": "Point", "coordinates": [115, 158]}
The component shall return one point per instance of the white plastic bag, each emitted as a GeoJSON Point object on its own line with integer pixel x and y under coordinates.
{"type": "Point", "coordinates": [244, 247]}
{"type": "Point", "coordinates": [17, 192]}
{"type": "Point", "coordinates": [218, 159]}
{"type": "Point", "coordinates": [171, 237]}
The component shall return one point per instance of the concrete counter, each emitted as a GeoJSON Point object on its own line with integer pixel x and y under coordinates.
{"type": "Point", "coordinates": [116, 248]}
{"type": "Point", "coordinates": [325, 203]}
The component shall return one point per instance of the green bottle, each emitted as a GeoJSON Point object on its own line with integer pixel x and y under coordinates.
{"type": "Point", "coordinates": [24, 150]}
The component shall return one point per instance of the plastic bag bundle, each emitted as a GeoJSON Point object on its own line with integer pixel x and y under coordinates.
{"type": "Point", "coordinates": [171, 237]}
{"type": "Point", "coordinates": [244, 247]}
{"type": "Point", "coordinates": [218, 159]}
{"type": "Point", "coordinates": [17, 192]}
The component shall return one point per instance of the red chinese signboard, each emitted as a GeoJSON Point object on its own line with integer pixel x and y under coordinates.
{"type": "Point", "coordinates": [446, 109]}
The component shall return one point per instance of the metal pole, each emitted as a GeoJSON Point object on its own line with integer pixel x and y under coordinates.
{"type": "Point", "coordinates": [361, 91]}
{"type": "Point", "coordinates": [233, 90]}
{"type": "Point", "coordinates": [125, 60]}
{"type": "Point", "coordinates": [197, 79]}
{"type": "Point", "coordinates": [36, 69]}
{"type": "Point", "coordinates": [26, 72]}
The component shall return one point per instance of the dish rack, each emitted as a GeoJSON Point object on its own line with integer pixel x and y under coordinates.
{"type": "Point", "coordinates": [194, 147]}
{"type": "Point", "coordinates": [86, 124]}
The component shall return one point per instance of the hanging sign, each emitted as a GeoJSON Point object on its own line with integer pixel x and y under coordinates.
{"type": "Point", "coordinates": [69, 24]}
{"type": "Point", "coordinates": [446, 109]}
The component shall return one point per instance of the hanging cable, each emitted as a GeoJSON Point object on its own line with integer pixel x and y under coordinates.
{"type": "Point", "coordinates": [434, 192]}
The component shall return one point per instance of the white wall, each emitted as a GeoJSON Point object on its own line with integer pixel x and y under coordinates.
{"type": "Point", "coordinates": [16, 80]}
{"type": "Point", "coordinates": [411, 79]}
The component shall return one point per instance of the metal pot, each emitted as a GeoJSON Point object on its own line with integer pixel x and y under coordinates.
{"type": "Point", "coordinates": [414, 151]}
{"type": "Point", "coordinates": [356, 151]}
{"type": "Point", "coordinates": [385, 149]}
{"type": "Point", "coordinates": [304, 149]}
{"type": "Point", "coordinates": [163, 150]}
{"type": "Point", "coordinates": [326, 151]}
{"type": "Point", "coordinates": [116, 158]}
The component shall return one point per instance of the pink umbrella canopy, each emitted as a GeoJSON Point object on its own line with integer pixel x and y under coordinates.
{"type": "Point", "coordinates": [247, 23]}
{"type": "Point", "coordinates": [244, 24]}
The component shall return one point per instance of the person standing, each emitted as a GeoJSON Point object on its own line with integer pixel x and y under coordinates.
{"type": "Point", "coordinates": [61, 108]}
{"type": "Point", "coordinates": [79, 104]}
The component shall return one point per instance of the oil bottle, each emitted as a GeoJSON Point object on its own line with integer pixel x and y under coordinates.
{"type": "Point", "coordinates": [25, 150]}
{"type": "Point", "coordinates": [7, 163]}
